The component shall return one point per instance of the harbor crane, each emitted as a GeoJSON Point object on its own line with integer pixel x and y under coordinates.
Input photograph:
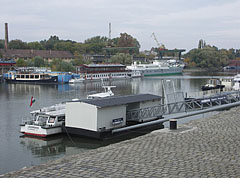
{"type": "Point", "coordinates": [160, 46]}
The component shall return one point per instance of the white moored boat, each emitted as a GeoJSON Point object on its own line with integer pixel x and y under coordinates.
{"type": "Point", "coordinates": [169, 67]}
{"type": "Point", "coordinates": [76, 80]}
{"type": "Point", "coordinates": [107, 93]}
{"type": "Point", "coordinates": [45, 122]}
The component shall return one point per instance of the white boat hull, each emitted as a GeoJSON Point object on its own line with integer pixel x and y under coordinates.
{"type": "Point", "coordinates": [39, 131]}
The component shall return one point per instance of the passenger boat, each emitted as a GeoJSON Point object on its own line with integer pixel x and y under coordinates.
{"type": "Point", "coordinates": [213, 84]}
{"type": "Point", "coordinates": [45, 122]}
{"type": "Point", "coordinates": [164, 67]}
{"type": "Point", "coordinates": [96, 72]}
{"type": "Point", "coordinates": [30, 77]}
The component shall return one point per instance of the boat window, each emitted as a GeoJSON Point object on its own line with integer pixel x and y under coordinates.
{"type": "Point", "coordinates": [36, 76]}
{"type": "Point", "coordinates": [31, 76]}
{"type": "Point", "coordinates": [61, 118]}
{"type": "Point", "coordinates": [18, 76]}
{"type": "Point", "coordinates": [51, 119]}
{"type": "Point", "coordinates": [42, 119]}
{"type": "Point", "coordinates": [27, 76]}
{"type": "Point", "coordinates": [22, 76]}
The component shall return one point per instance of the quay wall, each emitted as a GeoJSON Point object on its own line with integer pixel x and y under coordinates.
{"type": "Point", "coordinates": [207, 147]}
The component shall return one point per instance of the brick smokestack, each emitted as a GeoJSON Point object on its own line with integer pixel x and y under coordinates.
{"type": "Point", "coordinates": [6, 36]}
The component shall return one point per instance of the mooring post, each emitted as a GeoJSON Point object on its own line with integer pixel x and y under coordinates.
{"type": "Point", "coordinates": [173, 124]}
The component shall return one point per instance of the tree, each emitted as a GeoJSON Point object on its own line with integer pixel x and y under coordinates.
{"type": "Point", "coordinates": [64, 46]}
{"type": "Point", "coordinates": [78, 60]}
{"type": "Point", "coordinates": [96, 44]}
{"type": "Point", "coordinates": [17, 44]}
{"type": "Point", "coordinates": [49, 44]}
{"type": "Point", "coordinates": [30, 63]}
{"type": "Point", "coordinates": [60, 65]}
{"type": "Point", "coordinates": [127, 40]}
{"type": "Point", "coordinates": [39, 61]}
{"type": "Point", "coordinates": [21, 63]}
{"type": "Point", "coordinates": [121, 58]}
{"type": "Point", "coordinates": [35, 45]}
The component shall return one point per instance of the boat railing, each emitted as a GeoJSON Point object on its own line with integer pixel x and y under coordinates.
{"type": "Point", "coordinates": [28, 121]}
{"type": "Point", "coordinates": [31, 121]}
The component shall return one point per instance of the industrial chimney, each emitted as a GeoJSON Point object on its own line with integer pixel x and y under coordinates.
{"type": "Point", "coordinates": [6, 36]}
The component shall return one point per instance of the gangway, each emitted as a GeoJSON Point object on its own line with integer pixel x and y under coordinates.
{"type": "Point", "coordinates": [191, 105]}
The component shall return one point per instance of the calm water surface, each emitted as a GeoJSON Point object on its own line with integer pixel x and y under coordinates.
{"type": "Point", "coordinates": [17, 151]}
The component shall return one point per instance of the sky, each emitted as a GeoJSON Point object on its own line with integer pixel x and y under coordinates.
{"type": "Point", "coordinates": [176, 23]}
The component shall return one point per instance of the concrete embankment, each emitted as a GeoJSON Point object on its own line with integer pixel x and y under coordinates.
{"type": "Point", "coordinates": [208, 147]}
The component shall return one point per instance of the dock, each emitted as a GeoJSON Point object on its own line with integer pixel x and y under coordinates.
{"type": "Point", "coordinates": [207, 147]}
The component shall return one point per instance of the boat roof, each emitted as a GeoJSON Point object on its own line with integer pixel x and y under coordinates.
{"type": "Point", "coordinates": [52, 113]}
{"type": "Point", "coordinates": [120, 100]}
{"type": "Point", "coordinates": [56, 113]}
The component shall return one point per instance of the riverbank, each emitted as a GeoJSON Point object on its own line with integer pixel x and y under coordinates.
{"type": "Point", "coordinates": [206, 147]}
{"type": "Point", "coordinates": [195, 70]}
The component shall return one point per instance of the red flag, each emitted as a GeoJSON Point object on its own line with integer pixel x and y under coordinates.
{"type": "Point", "coordinates": [32, 101]}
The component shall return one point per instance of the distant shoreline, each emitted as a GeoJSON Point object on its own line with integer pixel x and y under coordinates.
{"type": "Point", "coordinates": [194, 70]}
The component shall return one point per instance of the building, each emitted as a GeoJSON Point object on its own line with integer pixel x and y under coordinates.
{"type": "Point", "coordinates": [233, 65]}
{"type": "Point", "coordinates": [25, 54]}
{"type": "Point", "coordinates": [98, 117]}
{"type": "Point", "coordinates": [6, 65]}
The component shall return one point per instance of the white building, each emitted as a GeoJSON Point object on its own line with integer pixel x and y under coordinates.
{"type": "Point", "coordinates": [97, 117]}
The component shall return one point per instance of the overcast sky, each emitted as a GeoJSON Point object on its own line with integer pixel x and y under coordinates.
{"type": "Point", "coordinates": [176, 23]}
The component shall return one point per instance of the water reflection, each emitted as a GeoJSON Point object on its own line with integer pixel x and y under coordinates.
{"type": "Point", "coordinates": [43, 147]}
{"type": "Point", "coordinates": [69, 145]}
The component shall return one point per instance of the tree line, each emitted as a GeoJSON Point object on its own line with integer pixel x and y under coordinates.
{"type": "Point", "coordinates": [94, 45]}
{"type": "Point", "coordinates": [207, 56]}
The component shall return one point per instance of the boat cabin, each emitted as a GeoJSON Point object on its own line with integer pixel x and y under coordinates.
{"type": "Point", "coordinates": [49, 119]}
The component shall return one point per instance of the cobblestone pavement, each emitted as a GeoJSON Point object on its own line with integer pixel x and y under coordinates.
{"type": "Point", "coordinates": [207, 147]}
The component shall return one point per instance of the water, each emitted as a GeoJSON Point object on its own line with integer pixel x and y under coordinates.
{"type": "Point", "coordinates": [17, 151]}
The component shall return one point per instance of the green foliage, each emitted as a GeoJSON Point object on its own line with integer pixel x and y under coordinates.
{"type": "Point", "coordinates": [62, 66]}
{"type": "Point", "coordinates": [97, 39]}
{"type": "Point", "coordinates": [35, 45]}
{"type": "Point", "coordinates": [38, 61]}
{"type": "Point", "coordinates": [21, 63]}
{"type": "Point", "coordinates": [209, 56]}
{"type": "Point", "coordinates": [95, 45]}
{"type": "Point", "coordinates": [92, 45]}
{"type": "Point", "coordinates": [17, 44]}
{"type": "Point", "coordinates": [49, 44]}
{"type": "Point", "coordinates": [127, 40]}
{"type": "Point", "coordinates": [30, 63]}
{"type": "Point", "coordinates": [121, 58]}
{"type": "Point", "coordinates": [78, 60]}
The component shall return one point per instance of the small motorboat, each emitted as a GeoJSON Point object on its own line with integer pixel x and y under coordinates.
{"type": "Point", "coordinates": [44, 122]}
{"type": "Point", "coordinates": [213, 84]}
{"type": "Point", "coordinates": [107, 93]}
{"type": "Point", "coordinates": [76, 80]}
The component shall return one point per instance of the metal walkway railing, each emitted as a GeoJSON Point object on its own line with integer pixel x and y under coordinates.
{"type": "Point", "coordinates": [184, 106]}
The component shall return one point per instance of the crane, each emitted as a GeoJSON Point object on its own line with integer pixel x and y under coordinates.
{"type": "Point", "coordinates": [160, 46]}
